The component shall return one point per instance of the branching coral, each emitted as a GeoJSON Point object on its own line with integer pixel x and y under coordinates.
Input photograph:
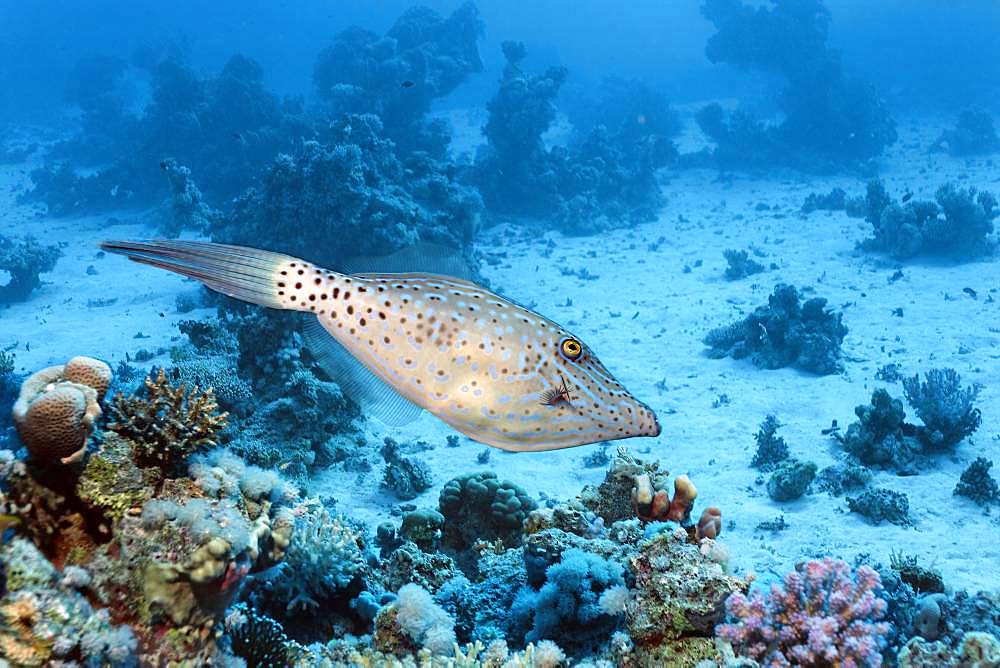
{"type": "Point", "coordinates": [21, 261]}
{"type": "Point", "coordinates": [323, 562]}
{"type": "Point", "coordinates": [167, 423]}
{"type": "Point", "coordinates": [946, 409]}
{"type": "Point", "coordinates": [823, 614]}
{"type": "Point", "coordinates": [957, 224]}
{"type": "Point", "coordinates": [771, 448]}
{"type": "Point", "coordinates": [786, 332]}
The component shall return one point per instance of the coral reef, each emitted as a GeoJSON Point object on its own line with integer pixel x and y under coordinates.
{"type": "Point", "coordinates": [740, 264]}
{"type": "Point", "coordinates": [881, 437]}
{"type": "Point", "coordinates": [22, 260]}
{"type": "Point", "coordinates": [823, 614]}
{"type": "Point", "coordinates": [421, 58]}
{"type": "Point", "coordinates": [354, 195]}
{"type": "Point", "coordinates": [677, 600]}
{"type": "Point", "coordinates": [786, 332]}
{"type": "Point", "coordinates": [946, 409]}
{"type": "Point", "coordinates": [956, 225]}
{"type": "Point", "coordinates": [829, 120]}
{"type": "Point", "coordinates": [977, 484]}
{"type": "Point", "coordinates": [229, 125]}
{"type": "Point", "coordinates": [977, 650]}
{"type": "Point", "coordinates": [604, 178]}
{"type": "Point", "coordinates": [479, 506]}
{"type": "Point", "coordinates": [405, 476]}
{"type": "Point", "coordinates": [790, 480]}
{"type": "Point", "coordinates": [56, 409]}
{"type": "Point", "coordinates": [973, 134]}
{"type": "Point", "coordinates": [44, 620]}
{"type": "Point", "coordinates": [771, 448]}
{"type": "Point", "coordinates": [166, 423]}
{"type": "Point", "coordinates": [571, 605]}
{"type": "Point", "coordinates": [876, 505]}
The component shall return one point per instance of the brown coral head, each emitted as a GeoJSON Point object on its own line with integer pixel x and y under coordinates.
{"type": "Point", "coordinates": [90, 372]}
{"type": "Point", "coordinates": [710, 524]}
{"type": "Point", "coordinates": [684, 495]}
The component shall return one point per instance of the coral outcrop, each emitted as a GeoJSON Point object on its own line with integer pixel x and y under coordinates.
{"type": "Point", "coordinates": [57, 408]}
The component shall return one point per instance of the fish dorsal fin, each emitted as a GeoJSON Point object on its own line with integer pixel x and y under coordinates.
{"type": "Point", "coordinates": [422, 258]}
{"type": "Point", "coordinates": [356, 381]}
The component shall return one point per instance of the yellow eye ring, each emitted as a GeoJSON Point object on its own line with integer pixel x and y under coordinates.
{"type": "Point", "coordinates": [571, 349]}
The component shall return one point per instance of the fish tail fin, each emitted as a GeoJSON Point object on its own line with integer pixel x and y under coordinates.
{"type": "Point", "coordinates": [250, 275]}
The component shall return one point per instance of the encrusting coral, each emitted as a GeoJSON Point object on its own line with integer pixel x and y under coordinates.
{"type": "Point", "coordinates": [167, 423]}
{"type": "Point", "coordinates": [57, 407]}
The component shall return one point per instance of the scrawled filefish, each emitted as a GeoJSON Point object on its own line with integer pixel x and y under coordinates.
{"type": "Point", "coordinates": [495, 371]}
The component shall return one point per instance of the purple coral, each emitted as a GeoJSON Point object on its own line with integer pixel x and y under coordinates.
{"type": "Point", "coordinates": [821, 616]}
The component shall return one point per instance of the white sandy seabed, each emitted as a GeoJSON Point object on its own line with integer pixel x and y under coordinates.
{"type": "Point", "coordinates": [645, 315]}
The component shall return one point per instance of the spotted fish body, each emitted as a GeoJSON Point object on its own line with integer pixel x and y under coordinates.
{"type": "Point", "coordinates": [493, 370]}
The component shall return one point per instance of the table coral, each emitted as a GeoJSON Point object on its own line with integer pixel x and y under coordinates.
{"type": "Point", "coordinates": [57, 407]}
{"type": "Point", "coordinates": [823, 614]}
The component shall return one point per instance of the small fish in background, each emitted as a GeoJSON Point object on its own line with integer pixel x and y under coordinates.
{"type": "Point", "coordinates": [407, 84]}
{"type": "Point", "coordinates": [832, 429]}
{"type": "Point", "coordinates": [236, 135]}
{"type": "Point", "coordinates": [972, 293]}
{"type": "Point", "coordinates": [493, 370]}
{"type": "Point", "coordinates": [907, 196]}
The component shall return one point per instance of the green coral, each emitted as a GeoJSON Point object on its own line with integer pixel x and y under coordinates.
{"type": "Point", "coordinates": [478, 506]}
{"type": "Point", "coordinates": [111, 481]}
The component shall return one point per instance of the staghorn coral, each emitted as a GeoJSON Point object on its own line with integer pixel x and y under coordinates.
{"type": "Point", "coordinates": [824, 613]}
{"type": "Point", "coordinates": [166, 423]}
{"type": "Point", "coordinates": [786, 332]}
{"type": "Point", "coordinates": [22, 260]}
{"type": "Point", "coordinates": [57, 406]}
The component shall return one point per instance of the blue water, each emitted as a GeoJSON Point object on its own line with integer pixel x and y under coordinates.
{"type": "Point", "coordinates": [769, 227]}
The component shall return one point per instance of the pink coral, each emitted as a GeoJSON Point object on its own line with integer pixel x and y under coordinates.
{"type": "Point", "coordinates": [821, 617]}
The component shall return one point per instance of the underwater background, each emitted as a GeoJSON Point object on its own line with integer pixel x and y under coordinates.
{"type": "Point", "coordinates": [773, 221]}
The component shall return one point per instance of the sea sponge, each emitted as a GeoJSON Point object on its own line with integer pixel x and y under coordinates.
{"type": "Point", "coordinates": [57, 406]}
{"type": "Point", "coordinates": [653, 505]}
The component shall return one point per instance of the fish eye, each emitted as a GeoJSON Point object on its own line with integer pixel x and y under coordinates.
{"type": "Point", "coordinates": [571, 349]}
